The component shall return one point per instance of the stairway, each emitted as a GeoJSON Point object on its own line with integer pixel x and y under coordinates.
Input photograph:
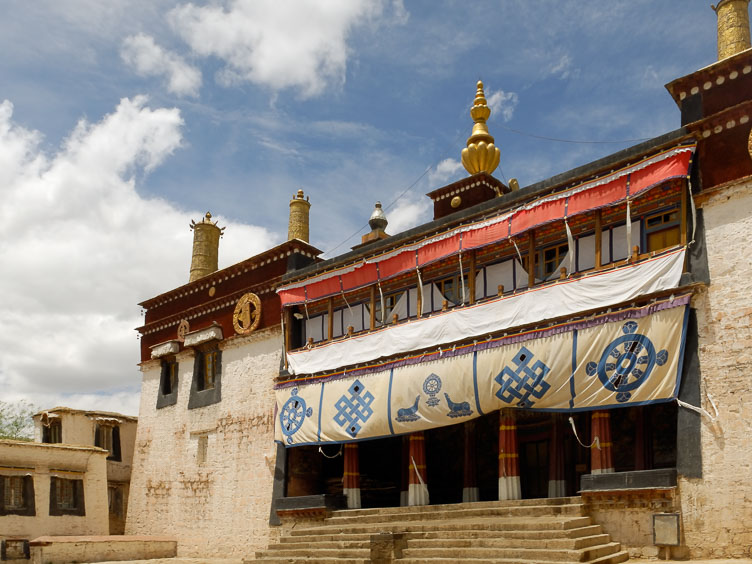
{"type": "Point", "coordinates": [524, 531]}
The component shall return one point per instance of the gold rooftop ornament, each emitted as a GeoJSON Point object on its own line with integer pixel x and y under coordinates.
{"type": "Point", "coordinates": [481, 155]}
{"type": "Point", "coordinates": [205, 259]}
{"type": "Point", "coordinates": [298, 225]}
{"type": "Point", "coordinates": [733, 27]}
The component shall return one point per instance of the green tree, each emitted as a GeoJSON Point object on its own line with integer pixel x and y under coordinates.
{"type": "Point", "coordinates": [16, 420]}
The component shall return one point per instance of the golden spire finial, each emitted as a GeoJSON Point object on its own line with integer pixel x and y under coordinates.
{"type": "Point", "coordinates": [481, 155]}
{"type": "Point", "coordinates": [733, 27]}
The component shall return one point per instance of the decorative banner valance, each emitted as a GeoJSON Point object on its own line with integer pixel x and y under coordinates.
{"type": "Point", "coordinates": [630, 357]}
{"type": "Point", "coordinates": [594, 291]}
{"type": "Point", "coordinates": [608, 190]}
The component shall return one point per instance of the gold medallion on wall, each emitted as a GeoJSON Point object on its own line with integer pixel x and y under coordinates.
{"type": "Point", "coordinates": [247, 314]}
{"type": "Point", "coordinates": [183, 328]}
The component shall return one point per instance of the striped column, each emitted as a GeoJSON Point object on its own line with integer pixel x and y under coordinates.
{"type": "Point", "coordinates": [601, 461]}
{"type": "Point", "coordinates": [404, 489]}
{"type": "Point", "coordinates": [557, 485]}
{"type": "Point", "coordinates": [470, 479]}
{"type": "Point", "coordinates": [351, 479]}
{"type": "Point", "coordinates": [509, 458]}
{"type": "Point", "coordinates": [418, 490]}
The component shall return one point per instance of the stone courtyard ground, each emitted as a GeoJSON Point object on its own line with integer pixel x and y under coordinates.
{"type": "Point", "coordinates": [239, 561]}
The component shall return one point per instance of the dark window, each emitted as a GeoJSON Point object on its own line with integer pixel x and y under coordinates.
{"type": "Point", "coordinates": [17, 495]}
{"type": "Point", "coordinates": [206, 387]}
{"type": "Point", "coordinates": [52, 432]}
{"type": "Point", "coordinates": [14, 549]}
{"type": "Point", "coordinates": [209, 370]}
{"type": "Point", "coordinates": [168, 383]}
{"type": "Point", "coordinates": [107, 436]}
{"type": "Point", "coordinates": [115, 500]}
{"type": "Point", "coordinates": [66, 497]}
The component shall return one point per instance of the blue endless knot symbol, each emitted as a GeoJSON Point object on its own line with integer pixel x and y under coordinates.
{"type": "Point", "coordinates": [355, 409]}
{"type": "Point", "coordinates": [524, 381]}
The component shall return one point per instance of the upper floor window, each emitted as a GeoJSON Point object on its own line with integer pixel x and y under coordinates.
{"type": "Point", "coordinates": [206, 387]}
{"type": "Point", "coordinates": [52, 432]}
{"type": "Point", "coordinates": [168, 383]}
{"type": "Point", "coordinates": [662, 230]}
{"type": "Point", "coordinates": [66, 497]}
{"type": "Point", "coordinates": [209, 369]}
{"type": "Point", "coordinates": [107, 436]}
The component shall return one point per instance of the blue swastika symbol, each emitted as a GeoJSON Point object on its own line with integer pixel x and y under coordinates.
{"type": "Point", "coordinates": [524, 381]}
{"type": "Point", "coordinates": [355, 409]}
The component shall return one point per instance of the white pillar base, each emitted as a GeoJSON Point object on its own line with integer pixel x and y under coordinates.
{"type": "Point", "coordinates": [353, 497]}
{"type": "Point", "coordinates": [418, 495]}
{"type": "Point", "coordinates": [509, 488]}
{"type": "Point", "coordinates": [602, 471]}
{"type": "Point", "coordinates": [470, 494]}
{"type": "Point", "coordinates": [403, 498]}
{"type": "Point", "coordinates": [557, 488]}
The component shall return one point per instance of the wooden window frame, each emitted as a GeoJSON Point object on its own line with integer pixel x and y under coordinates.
{"type": "Point", "coordinates": [107, 436]}
{"type": "Point", "coordinates": [52, 433]}
{"type": "Point", "coordinates": [57, 508]}
{"type": "Point", "coordinates": [27, 484]}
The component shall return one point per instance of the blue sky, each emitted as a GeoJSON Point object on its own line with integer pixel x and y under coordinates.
{"type": "Point", "coordinates": [122, 120]}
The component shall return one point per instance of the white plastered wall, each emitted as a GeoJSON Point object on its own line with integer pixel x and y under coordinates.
{"type": "Point", "coordinates": [219, 507]}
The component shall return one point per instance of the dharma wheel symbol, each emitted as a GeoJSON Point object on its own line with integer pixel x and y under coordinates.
{"type": "Point", "coordinates": [627, 362]}
{"type": "Point", "coordinates": [293, 414]}
{"type": "Point", "coordinates": [247, 314]}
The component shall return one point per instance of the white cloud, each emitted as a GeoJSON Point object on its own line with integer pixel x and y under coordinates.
{"type": "Point", "coordinates": [80, 248]}
{"type": "Point", "coordinates": [562, 67]}
{"type": "Point", "coordinates": [301, 45]}
{"type": "Point", "coordinates": [502, 103]}
{"type": "Point", "coordinates": [408, 213]}
{"type": "Point", "coordinates": [149, 59]}
{"type": "Point", "coordinates": [446, 169]}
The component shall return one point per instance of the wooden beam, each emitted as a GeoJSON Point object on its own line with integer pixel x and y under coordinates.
{"type": "Point", "coordinates": [373, 308]}
{"type": "Point", "coordinates": [419, 294]}
{"type": "Point", "coordinates": [471, 277]}
{"type": "Point", "coordinates": [330, 320]}
{"type": "Point", "coordinates": [531, 259]}
{"type": "Point", "coordinates": [683, 227]}
{"type": "Point", "coordinates": [598, 238]}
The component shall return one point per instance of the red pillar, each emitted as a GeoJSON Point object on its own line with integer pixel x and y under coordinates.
{"type": "Point", "coordinates": [509, 458]}
{"type": "Point", "coordinates": [351, 479]}
{"type": "Point", "coordinates": [557, 485]}
{"type": "Point", "coordinates": [418, 489]}
{"type": "Point", "coordinates": [470, 480]}
{"type": "Point", "coordinates": [601, 460]}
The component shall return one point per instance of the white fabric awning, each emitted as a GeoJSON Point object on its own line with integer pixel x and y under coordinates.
{"type": "Point", "coordinates": [568, 297]}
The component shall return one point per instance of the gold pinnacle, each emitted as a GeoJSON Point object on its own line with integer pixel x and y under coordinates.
{"type": "Point", "coordinates": [481, 155]}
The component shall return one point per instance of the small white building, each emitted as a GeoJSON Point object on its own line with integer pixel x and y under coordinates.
{"type": "Point", "coordinates": [112, 432]}
{"type": "Point", "coordinates": [50, 489]}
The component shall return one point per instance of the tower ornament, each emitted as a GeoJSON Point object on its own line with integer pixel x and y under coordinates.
{"type": "Point", "coordinates": [247, 314]}
{"type": "Point", "coordinates": [480, 155]}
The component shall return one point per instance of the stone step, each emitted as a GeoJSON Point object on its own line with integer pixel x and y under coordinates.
{"type": "Point", "coordinates": [479, 524]}
{"type": "Point", "coordinates": [450, 540]}
{"type": "Point", "coordinates": [311, 552]}
{"type": "Point", "coordinates": [616, 558]}
{"type": "Point", "coordinates": [521, 554]}
{"type": "Point", "coordinates": [556, 501]}
{"type": "Point", "coordinates": [461, 511]}
{"type": "Point", "coordinates": [308, 560]}
{"type": "Point", "coordinates": [533, 535]}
